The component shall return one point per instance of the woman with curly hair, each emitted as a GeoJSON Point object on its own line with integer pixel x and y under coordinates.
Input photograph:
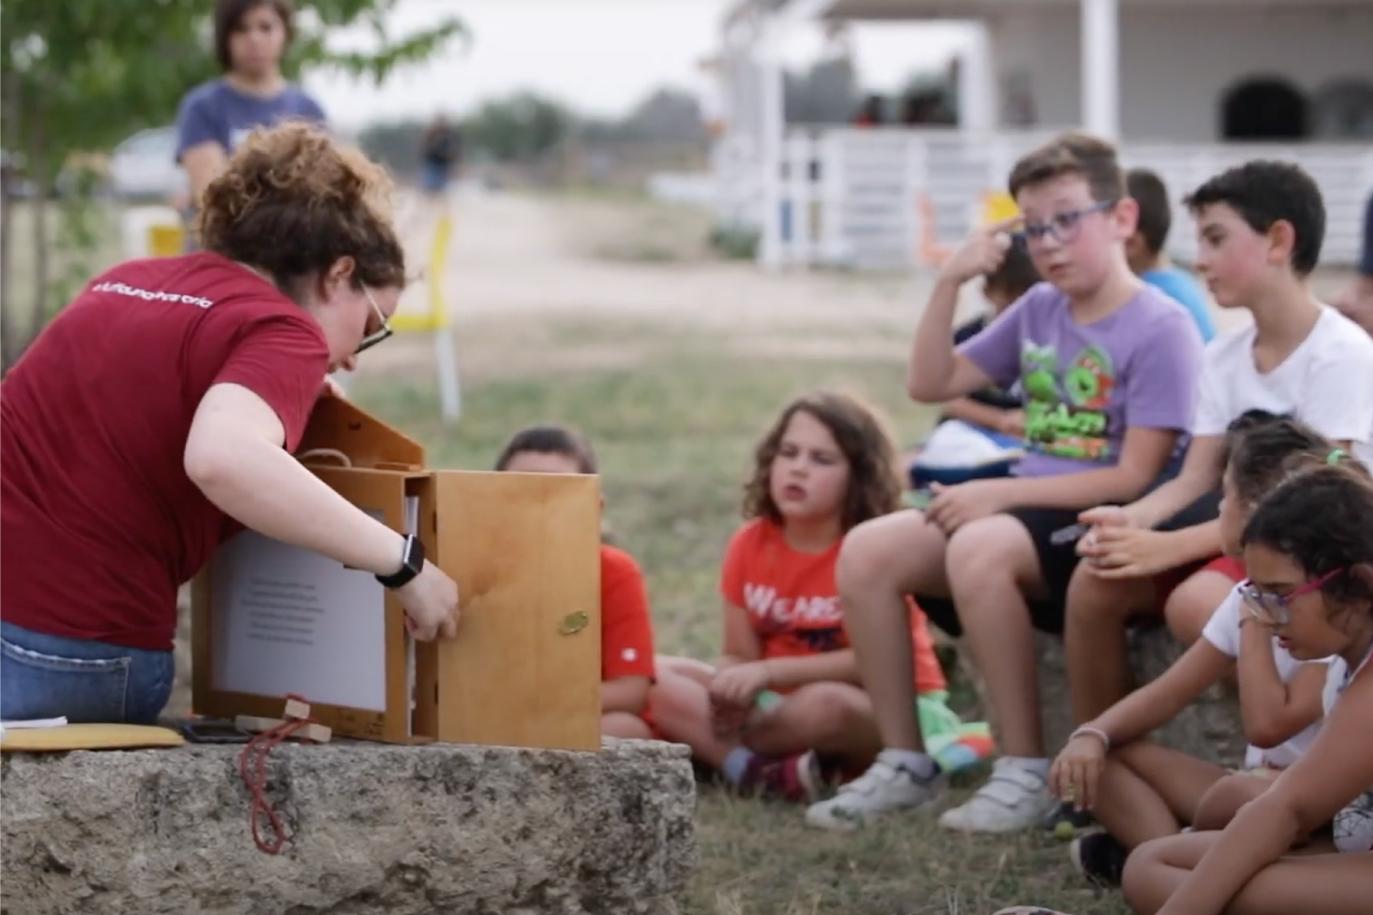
{"type": "Point", "coordinates": [786, 692]}
{"type": "Point", "coordinates": [159, 411]}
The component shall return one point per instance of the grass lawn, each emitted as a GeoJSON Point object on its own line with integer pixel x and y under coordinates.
{"type": "Point", "coordinates": [674, 423]}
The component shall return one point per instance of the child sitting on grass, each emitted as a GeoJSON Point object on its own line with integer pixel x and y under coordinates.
{"type": "Point", "coordinates": [786, 693]}
{"type": "Point", "coordinates": [1308, 550]}
{"type": "Point", "coordinates": [1139, 790]}
{"type": "Point", "coordinates": [626, 627]}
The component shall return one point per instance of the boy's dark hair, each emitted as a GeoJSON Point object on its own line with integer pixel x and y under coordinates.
{"type": "Point", "coordinates": [1147, 189]}
{"type": "Point", "coordinates": [1261, 449]}
{"type": "Point", "coordinates": [1072, 153]}
{"type": "Point", "coordinates": [550, 439]}
{"type": "Point", "coordinates": [874, 486]}
{"type": "Point", "coordinates": [228, 15]}
{"type": "Point", "coordinates": [1263, 192]}
{"type": "Point", "coordinates": [1320, 518]}
{"type": "Point", "coordinates": [1016, 274]}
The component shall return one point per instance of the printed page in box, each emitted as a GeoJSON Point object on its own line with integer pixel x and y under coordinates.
{"type": "Point", "coordinates": [289, 620]}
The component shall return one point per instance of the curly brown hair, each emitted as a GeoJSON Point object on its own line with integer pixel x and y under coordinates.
{"type": "Point", "coordinates": [293, 201]}
{"type": "Point", "coordinates": [1320, 517]}
{"type": "Point", "coordinates": [874, 483]}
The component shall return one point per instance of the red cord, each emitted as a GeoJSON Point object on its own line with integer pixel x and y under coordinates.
{"type": "Point", "coordinates": [257, 750]}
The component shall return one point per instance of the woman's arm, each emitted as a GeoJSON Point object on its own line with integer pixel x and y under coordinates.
{"type": "Point", "coordinates": [234, 455]}
{"type": "Point", "coordinates": [1335, 770]}
{"type": "Point", "coordinates": [1273, 711]}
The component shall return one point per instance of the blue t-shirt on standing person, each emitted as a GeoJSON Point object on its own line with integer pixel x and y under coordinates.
{"type": "Point", "coordinates": [1183, 287]}
{"type": "Point", "coordinates": [219, 112]}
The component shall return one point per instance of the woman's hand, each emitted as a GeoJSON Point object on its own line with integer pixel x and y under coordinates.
{"type": "Point", "coordinates": [739, 685]}
{"type": "Point", "coordinates": [1074, 775]}
{"type": "Point", "coordinates": [430, 600]}
{"type": "Point", "coordinates": [1128, 552]}
{"type": "Point", "coordinates": [954, 506]}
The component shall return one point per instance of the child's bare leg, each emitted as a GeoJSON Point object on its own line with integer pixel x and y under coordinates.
{"type": "Point", "coordinates": [992, 565]}
{"type": "Point", "coordinates": [624, 724]}
{"type": "Point", "coordinates": [1148, 791]}
{"type": "Point", "coordinates": [882, 561]}
{"type": "Point", "coordinates": [831, 718]}
{"type": "Point", "coordinates": [1320, 881]}
{"type": "Point", "coordinates": [1191, 604]}
{"type": "Point", "coordinates": [1223, 800]}
{"type": "Point", "coordinates": [1094, 638]}
{"type": "Point", "coordinates": [681, 710]}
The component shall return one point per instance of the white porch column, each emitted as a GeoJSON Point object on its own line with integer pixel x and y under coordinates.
{"type": "Point", "coordinates": [1101, 67]}
{"type": "Point", "coordinates": [977, 103]}
{"type": "Point", "coordinates": [772, 126]}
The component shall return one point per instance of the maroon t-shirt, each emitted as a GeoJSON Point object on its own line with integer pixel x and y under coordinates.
{"type": "Point", "coordinates": [100, 522]}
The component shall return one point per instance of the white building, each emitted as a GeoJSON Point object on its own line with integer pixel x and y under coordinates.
{"type": "Point", "coordinates": [1186, 86]}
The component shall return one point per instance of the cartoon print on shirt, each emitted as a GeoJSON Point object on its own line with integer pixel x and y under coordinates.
{"type": "Point", "coordinates": [1065, 413]}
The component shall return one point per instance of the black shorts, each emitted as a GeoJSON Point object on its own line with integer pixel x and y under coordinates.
{"type": "Point", "coordinates": [1056, 565]}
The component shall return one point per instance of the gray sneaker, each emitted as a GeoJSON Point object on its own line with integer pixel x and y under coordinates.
{"type": "Point", "coordinates": [884, 788]}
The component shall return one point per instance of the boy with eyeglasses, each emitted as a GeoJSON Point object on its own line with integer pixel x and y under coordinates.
{"type": "Point", "coordinates": [1107, 365]}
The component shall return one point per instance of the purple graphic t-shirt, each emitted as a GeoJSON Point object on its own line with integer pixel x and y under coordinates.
{"type": "Point", "coordinates": [1085, 384]}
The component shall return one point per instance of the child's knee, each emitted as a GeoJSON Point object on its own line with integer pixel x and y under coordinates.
{"type": "Point", "coordinates": [1090, 598]}
{"type": "Point", "coordinates": [1223, 800]}
{"type": "Point", "coordinates": [828, 708]}
{"type": "Point", "coordinates": [624, 725]}
{"type": "Point", "coordinates": [886, 552]}
{"type": "Point", "coordinates": [990, 549]}
{"type": "Point", "coordinates": [1191, 604]}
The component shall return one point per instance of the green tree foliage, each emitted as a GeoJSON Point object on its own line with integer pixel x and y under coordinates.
{"type": "Point", "coordinates": [518, 128]}
{"type": "Point", "coordinates": [80, 75]}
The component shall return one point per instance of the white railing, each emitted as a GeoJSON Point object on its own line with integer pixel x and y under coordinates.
{"type": "Point", "coordinates": [891, 198]}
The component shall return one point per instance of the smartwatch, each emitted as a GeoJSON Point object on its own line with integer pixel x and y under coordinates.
{"type": "Point", "coordinates": [412, 560]}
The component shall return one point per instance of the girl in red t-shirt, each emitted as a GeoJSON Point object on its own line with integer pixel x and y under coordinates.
{"type": "Point", "coordinates": [626, 628]}
{"type": "Point", "coordinates": [786, 692]}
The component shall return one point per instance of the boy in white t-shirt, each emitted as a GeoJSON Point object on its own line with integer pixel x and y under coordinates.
{"type": "Point", "coordinates": [1260, 227]}
{"type": "Point", "coordinates": [1141, 791]}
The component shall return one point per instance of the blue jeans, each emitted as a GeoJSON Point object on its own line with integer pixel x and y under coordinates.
{"type": "Point", "coordinates": [44, 676]}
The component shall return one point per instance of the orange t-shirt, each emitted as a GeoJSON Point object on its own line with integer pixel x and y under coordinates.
{"type": "Point", "coordinates": [626, 630]}
{"type": "Point", "coordinates": [793, 603]}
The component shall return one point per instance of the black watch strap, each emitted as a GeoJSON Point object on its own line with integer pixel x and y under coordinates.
{"type": "Point", "coordinates": [411, 563]}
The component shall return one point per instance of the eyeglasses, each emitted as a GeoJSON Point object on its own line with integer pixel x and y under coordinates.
{"type": "Point", "coordinates": [1064, 227]}
{"type": "Point", "coordinates": [381, 333]}
{"type": "Point", "coordinates": [1274, 609]}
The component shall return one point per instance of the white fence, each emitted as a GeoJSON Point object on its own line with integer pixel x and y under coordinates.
{"type": "Point", "coordinates": [888, 198]}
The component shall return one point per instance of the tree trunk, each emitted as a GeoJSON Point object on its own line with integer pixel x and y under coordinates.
{"type": "Point", "coordinates": [9, 346]}
{"type": "Point", "coordinates": [38, 162]}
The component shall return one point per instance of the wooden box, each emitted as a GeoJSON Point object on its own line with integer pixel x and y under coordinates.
{"type": "Point", "coordinates": [270, 619]}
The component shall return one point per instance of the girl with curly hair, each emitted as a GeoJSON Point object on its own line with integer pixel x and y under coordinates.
{"type": "Point", "coordinates": [786, 691]}
{"type": "Point", "coordinates": [158, 412]}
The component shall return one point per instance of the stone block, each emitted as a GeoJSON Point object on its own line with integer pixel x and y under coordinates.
{"type": "Point", "coordinates": [374, 828]}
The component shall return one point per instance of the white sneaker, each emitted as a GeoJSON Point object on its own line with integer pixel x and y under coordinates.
{"type": "Point", "coordinates": [1014, 798]}
{"type": "Point", "coordinates": [882, 789]}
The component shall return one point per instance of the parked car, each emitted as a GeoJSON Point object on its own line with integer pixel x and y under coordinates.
{"type": "Point", "coordinates": [144, 166]}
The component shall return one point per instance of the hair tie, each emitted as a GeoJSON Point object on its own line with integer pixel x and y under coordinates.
{"type": "Point", "coordinates": [1335, 456]}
